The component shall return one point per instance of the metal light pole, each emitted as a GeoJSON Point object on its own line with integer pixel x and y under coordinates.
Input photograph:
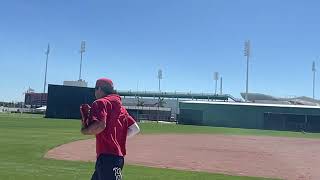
{"type": "Point", "coordinates": [216, 78]}
{"type": "Point", "coordinates": [247, 53]}
{"type": "Point", "coordinates": [46, 70]}
{"type": "Point", "coordinates": [314, 78]}
{"type": "Point", "coordinates": [45, 74]}
{"type": "Point", "coordinates": [220, 85]}
{"type": "Point", "coordinates": [159, 78]}
{"type": "Point", "coordinates": [82, 50]}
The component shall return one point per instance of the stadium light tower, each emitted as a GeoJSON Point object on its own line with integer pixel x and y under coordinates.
{"type": "Point", "coordinates": [314, 77]}
{"type": "Point", "coordinates": [159, 78]}
{"type": "Point", "coordinates": [45, 74]}
{"type": "Point", "coordinates": [82, 50]}
{"type": "Point", "coordinates": [220, 85]}
{"type": "Point", "coordinates": [216, 78]}
{"type": "Point", "coordinates": [247, 53]}
{"type": "Point", "coordinates": [159, 99]}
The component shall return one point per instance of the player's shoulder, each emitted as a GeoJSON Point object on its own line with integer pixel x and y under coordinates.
{"type": "Point", "coordinates": [102, 100]}
{"type": "Point", "coordinates": [99, 102]}
{"type": "Point", "coordinates": [123, 110]}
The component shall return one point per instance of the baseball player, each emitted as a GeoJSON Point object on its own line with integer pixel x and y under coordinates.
{"type": "Point", "coordinates": [110, 122]}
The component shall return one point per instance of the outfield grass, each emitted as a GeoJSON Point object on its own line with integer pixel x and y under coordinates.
{"type": "Point", "coordinates": [24, 140]}
{"type": "Point", "coordinates": [157, 128]}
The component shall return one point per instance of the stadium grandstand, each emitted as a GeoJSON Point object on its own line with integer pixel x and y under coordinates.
{"type": "Point", "coordinates": [267, 99]}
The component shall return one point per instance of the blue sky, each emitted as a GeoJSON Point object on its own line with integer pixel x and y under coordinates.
{"type": "Point", "coordinates": [128, 41]}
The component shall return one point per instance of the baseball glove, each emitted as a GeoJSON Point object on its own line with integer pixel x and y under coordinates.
{"type": "Point", "coordinates": [85, 114]}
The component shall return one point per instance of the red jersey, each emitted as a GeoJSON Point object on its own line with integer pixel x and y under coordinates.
{"type": "Point", "coordinates": [112, 140]}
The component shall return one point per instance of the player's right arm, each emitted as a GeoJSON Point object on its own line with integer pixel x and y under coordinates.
{"type": "Point", "coordinates": [97, 120]}
{"type": "Point", "coordinates": [94, 128]}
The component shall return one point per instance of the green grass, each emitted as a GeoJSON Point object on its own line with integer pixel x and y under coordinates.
{"type": "Point", "coordinates": [25, 139]}
{"type": "Point", "coordinates": [158, 128]}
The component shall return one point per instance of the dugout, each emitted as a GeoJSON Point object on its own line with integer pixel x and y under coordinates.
{"type": "Point", "coordinates": [250, 115]}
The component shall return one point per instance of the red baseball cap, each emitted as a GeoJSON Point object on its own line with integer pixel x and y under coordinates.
{"type": "Point", "coordinates": [104, 82]}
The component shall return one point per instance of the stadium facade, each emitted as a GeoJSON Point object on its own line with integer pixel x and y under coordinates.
{"type": "Point", "coordinates": [251, 115]}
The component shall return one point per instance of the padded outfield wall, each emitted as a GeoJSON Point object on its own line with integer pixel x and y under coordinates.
{"type": "Point", "coordinates": [250, 115]}
{"type": "Point", "coordinates": [64, 101]}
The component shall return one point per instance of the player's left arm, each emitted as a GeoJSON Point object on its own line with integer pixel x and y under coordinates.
{"type": "Point", "coordinates": [133, 128]}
